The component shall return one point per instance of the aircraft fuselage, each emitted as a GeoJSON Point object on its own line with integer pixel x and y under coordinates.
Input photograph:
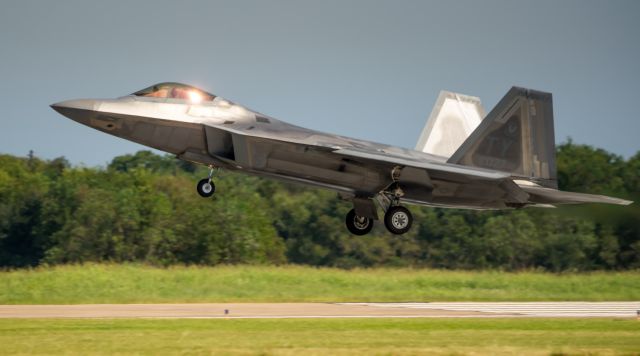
{"type": "Point", "coordinates": [228, 135]}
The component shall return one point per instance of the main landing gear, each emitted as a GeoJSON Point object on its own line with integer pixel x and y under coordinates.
{"type": "Point", "coordinates": [358, 225]}
{"type": "Point", "coordinates": [397, 219]}
{"type": "Point", "coordinates": [205, 186]}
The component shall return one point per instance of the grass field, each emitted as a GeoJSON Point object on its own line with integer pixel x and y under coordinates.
{"type": "Point", "coordinates": [321, 336]}
{"type": "Point", "coordinates": [142, 284]}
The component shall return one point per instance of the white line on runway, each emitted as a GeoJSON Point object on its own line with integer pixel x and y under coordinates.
{"type": "Point", "coordinates": [542, 309]}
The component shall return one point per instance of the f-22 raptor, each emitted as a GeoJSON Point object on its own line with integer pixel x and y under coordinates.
{"type": "Point", "coordinates": [463, 159]}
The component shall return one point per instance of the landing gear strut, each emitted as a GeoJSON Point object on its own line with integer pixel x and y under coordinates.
{"type": "Point", "coordinates": [205, 186]}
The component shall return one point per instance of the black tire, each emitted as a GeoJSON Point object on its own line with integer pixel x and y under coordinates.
{"type": "Point", "coordinates": [206, 188]}
{"type": "Point", "coordinates": [358, 225]}
{"type": "Point", "coordinates": [398, 220]}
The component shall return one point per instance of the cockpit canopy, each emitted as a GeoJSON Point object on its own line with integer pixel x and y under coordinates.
{"type": "Point", "coordinates": [176, 91]}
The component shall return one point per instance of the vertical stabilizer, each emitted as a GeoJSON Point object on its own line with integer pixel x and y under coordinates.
{"type": "Point", "coordinates": [517, 137]}
{"type": "Point", "coordinates": [452, 120]}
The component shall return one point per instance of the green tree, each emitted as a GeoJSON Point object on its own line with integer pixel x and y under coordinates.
{"type": "Point", "coordinates": [143, 207]}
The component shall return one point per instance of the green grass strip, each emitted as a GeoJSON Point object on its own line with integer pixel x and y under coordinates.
{"type": "Point", "coordinates": [94, 283]}
{"type": "Point", "coordinates": [320, 336]}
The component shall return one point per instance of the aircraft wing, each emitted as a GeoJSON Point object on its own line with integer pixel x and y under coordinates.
{"type": "Point", "coordinates": [470, 172]}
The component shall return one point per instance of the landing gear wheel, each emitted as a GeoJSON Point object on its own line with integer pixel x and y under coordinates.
{"type": "Point", "coordinates": [398, 220]}
{"type": "Point", "coordinates": [206, 188]}
{"type": "Point", "coordinates": [358, 225]}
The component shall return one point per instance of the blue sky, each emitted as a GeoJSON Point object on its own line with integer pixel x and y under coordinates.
{"type": "Point", "coordinates": [366, 69]}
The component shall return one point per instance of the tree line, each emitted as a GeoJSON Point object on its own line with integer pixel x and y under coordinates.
{"type": "Point", "coordinates": [143, 208]}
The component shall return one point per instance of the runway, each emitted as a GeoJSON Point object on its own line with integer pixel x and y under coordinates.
{"type": "Point", "coordinates": [328, 310]}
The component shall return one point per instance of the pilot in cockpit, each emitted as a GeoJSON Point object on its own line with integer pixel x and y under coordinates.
{"type": "Point", "coordinates": [176, 91]}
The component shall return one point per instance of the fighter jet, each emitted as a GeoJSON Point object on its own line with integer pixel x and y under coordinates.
{"type": "Point", "coordinates": [463, 159]}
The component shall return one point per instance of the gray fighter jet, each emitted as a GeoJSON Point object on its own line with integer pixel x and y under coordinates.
{"type": "Point", "coordinates": [463, 159]}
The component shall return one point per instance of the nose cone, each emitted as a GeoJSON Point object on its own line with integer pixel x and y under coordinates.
{"type": "Point", "coordinates": [80, 110]}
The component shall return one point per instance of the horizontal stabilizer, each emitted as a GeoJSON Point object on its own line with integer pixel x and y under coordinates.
{"type": "Point", "coordinates": [553, 196]}
{"type": "Point", "coordinates": [452, 120]}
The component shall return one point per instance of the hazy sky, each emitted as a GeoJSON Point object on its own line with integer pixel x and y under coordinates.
{"type": "Point", "coordinates": [366, 69]}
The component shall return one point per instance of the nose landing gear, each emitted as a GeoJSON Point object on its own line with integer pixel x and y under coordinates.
{"type": "Point", "coordinates": [205, 186]}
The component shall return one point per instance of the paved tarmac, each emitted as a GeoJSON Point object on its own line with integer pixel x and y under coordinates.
{"type": "Point", "coordinates": [328, 310]}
